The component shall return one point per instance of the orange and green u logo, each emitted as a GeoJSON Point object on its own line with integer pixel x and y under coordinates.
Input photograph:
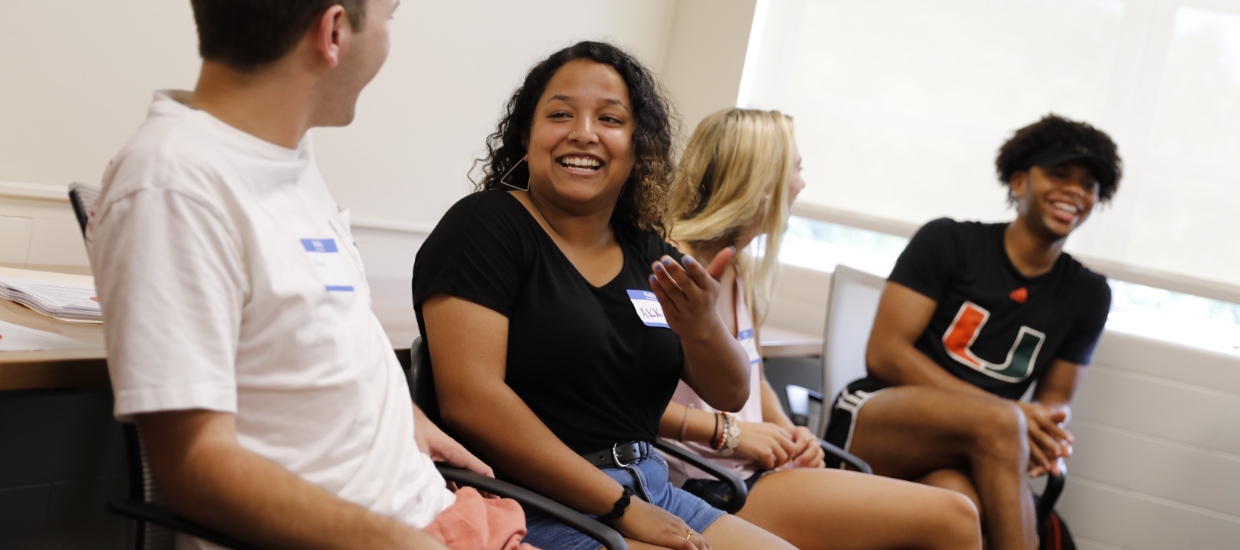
{"type": "Point", "coordinates": [964, 330]}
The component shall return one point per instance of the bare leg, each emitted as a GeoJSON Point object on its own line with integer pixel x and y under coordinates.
{"type": "Point", "coordinates": [834, 509]}
{"type": "Point", "coordinates": [908, 432]}
{"type": "Point", "coordinates": [953, 480]}
{"type": "Point", "coordinates": [730, 533]}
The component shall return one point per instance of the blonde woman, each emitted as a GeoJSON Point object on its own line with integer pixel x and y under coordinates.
{"type": "Point", "coordinates": [737, 178]}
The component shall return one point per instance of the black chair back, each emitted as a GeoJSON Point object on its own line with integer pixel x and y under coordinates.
{"type": "Point", "coordinates": [422, 380]}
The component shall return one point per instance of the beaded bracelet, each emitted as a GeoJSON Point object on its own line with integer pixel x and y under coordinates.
{"type": "Point", "coordinates": [731, 435]}
{"type": "Point", "coordinates": [618, 509]}
{"type": "Point", "coordinates": [714, 434]}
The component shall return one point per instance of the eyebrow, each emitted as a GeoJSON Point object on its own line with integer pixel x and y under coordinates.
{"type": "Point", "coordinates": [609, 101]}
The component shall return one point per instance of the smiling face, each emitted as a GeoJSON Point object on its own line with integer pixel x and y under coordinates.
{"type": "Point", "coordinates": [580, 144]}
{"type": "Point", "coordinates": [1055, 200]}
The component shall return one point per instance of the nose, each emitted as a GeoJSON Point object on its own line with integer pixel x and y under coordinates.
{"type": "Point", "coordinates": [583, 131]}
{"type": "Point", "coordinates": [1079, 186]}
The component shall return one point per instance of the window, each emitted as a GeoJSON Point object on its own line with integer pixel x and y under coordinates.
{"type": "Point", "coordinates": [900, 106]}
{"type": "Point", "coordinates": [1152, 312]}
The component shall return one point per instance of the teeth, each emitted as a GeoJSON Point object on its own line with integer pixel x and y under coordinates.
{"type": "Point", "coordinates": [580, 162]}
{"type": "Point", "coordinates": [1065, 208]}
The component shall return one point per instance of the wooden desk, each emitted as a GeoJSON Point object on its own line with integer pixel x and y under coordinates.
{"type": "Point", "coordinates": [26, 370]}
{"type": "Point", "coordinates": [781, 342]}
{"type": "Point", "coordinates": [392, 302]}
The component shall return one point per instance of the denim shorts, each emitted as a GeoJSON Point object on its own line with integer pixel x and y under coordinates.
{"type": "Point", "coordinates": [648, 480]}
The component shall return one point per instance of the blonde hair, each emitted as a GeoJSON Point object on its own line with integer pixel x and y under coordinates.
{"type": "Point", "coordinates": [733, 183]}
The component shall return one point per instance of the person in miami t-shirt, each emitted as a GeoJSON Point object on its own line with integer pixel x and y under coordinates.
{"type": "Point", "coordinates": [973, 314]}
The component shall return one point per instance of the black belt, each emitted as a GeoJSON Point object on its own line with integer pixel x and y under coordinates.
{"type": "Point", "coordinates": [619, 455]}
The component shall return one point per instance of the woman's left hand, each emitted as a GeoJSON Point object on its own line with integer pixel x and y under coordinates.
{"type": "Point", "coordinates": [687, 293]}
{"type": "Point", "coordinates": [808, 453]}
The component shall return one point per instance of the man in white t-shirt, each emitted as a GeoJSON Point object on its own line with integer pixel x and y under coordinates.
{"type": "Point", "coordinates": [237, 314]}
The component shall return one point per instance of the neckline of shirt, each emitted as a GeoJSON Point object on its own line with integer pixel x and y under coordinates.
{"type": "Point", "coordinates": [563, 257]}
{"type": "Point", "coordinates": [177, 102]}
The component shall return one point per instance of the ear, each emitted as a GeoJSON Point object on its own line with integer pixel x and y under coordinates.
{"type": "Point", "coordinates": [330, 33]}
{"type": "Point", "coordinates": [1017, 183]}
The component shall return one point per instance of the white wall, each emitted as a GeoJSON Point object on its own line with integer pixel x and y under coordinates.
{"type": "Point", "coordinates": [706, 56]}
{"type": "Point", "coordinates": [78, 76]}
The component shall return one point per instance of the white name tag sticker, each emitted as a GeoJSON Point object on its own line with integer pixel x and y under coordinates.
{"type": "Point", "coordinates": [330, 264]}
{"type": "Point", "coordinates": [648, 308]}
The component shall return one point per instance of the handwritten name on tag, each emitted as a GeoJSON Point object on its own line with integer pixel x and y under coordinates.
{"type": "Point", "coordinates": [648, 308]}
{"type": "Point", "coordinates": [329, 263]}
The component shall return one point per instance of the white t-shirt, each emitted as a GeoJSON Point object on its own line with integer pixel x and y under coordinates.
{"type": "Point", "coordinates": [229, 281]}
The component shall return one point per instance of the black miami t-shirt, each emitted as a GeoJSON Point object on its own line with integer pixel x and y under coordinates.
{"type": "Point", "coordinates": [992, 326]}
{"type": "Point", "coordinates": [578, 355]}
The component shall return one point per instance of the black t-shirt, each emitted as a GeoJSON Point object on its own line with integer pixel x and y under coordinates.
{"type": "Point", "coordinates": [578, 355]}
{"type": "Point", "coordinates": [992, 326]}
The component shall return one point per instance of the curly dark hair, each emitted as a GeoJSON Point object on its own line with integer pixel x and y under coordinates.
{"type": "Point", "coordinates": [643, 200]}
{"type": "Point", "coordinates": [1054, 140]}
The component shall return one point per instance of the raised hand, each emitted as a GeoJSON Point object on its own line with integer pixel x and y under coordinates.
{"type": "Point", "coordinates": [688, 292]}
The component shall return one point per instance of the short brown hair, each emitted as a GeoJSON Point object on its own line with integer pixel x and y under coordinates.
{"type": "Point", "coordinates": [247, 35]}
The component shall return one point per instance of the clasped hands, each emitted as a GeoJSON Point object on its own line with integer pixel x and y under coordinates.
{"type": "Point", "coordinates": [772, 446]}
{"type": "Point", "coordinates": [1048, 439]}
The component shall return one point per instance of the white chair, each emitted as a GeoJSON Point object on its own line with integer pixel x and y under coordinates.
{"type": "Point", "coordinates": [851, 306]}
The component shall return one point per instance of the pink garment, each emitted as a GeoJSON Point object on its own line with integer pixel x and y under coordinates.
{"type": "Point", "coordinates": [477, 523]}
{"type": "Point", "coordinates": [679, 472]}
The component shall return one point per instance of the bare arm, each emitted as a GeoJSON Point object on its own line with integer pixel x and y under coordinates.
{"type": "Point", "coordinates": [902, 317]}
{"type": "Point", "coordinates": [772, 411]}
{"type": "Point", "coordinates": [207, 477]}
{"type": "Point", "coordinates": [716, 366]}
{"type": "Point", "coordinates": [468, 344]}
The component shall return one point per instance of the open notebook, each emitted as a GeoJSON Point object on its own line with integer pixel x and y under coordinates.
{"type": "Point", "coordinates": [59, 296]}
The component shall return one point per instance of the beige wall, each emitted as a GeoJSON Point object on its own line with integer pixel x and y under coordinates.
{"type": "Point", "coordinates": [78, 77]}
{"type": "Point", "coordinates": [706, 56]}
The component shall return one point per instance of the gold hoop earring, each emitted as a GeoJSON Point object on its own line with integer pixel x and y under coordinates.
{"type": "Point", "coordinates": [504, 179]}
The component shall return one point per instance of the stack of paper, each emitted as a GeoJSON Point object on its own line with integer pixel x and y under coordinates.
{"type": "Point", "coordinates": [59, 300]}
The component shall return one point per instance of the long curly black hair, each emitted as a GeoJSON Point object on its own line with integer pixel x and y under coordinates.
{"type": "Point", "coordinates": [643, 200]}
{"type": "Point", "coordinates": [1055, 136]}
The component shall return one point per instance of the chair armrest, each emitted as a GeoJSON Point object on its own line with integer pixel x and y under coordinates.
{"type": "Point", "coordinates": [163, 516]}
{"type": "Point", "coordinates": [1054, 487]}
{"type": "Point", "coordinates": [846, 457]}
{"type": "Point", "coordinates": [739, 491]}
{"type": "Point", "coordinates": [610, 538]}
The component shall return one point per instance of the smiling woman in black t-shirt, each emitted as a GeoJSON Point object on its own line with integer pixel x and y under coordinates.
{"type": "Point", "coordinates": [559, 321]}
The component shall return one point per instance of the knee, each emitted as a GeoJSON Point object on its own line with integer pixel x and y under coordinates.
{"type": "Point", "coordinates": [964, 530]}
{"type": "Point", "coordinates": [1000, 430]}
